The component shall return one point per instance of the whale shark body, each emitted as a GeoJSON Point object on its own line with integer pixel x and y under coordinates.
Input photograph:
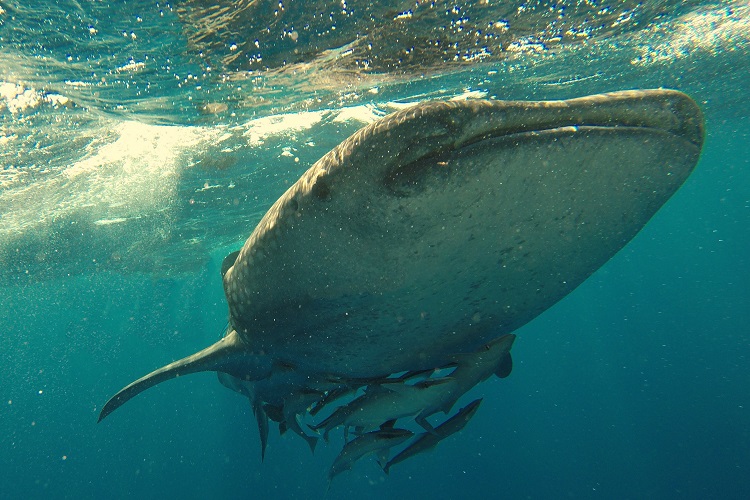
{"type": "Point", "coordinates": [431, 232]}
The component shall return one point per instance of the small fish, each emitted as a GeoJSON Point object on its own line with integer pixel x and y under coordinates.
{"type": "Point", "coordinates": [471, 368]}
{"type": "Point", "coordinates": [382, 403]}
{"type": "Point", "coordinates": [429, 440]}
{"type": "Point", "coordinates": [296, 403]}
{"type": "Point", "coordinates": [281, 403]}
{"type": "Point", "coordinates": [379, 441]}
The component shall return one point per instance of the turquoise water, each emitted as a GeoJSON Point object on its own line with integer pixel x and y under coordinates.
{"type": "Point", "coordinates": [137, 151]}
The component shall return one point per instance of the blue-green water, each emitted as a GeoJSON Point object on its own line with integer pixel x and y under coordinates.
{"type": "Point", "coordinates": [134, 158]}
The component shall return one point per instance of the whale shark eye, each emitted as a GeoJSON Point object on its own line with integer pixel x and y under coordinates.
{"type": "Point", "coordinates": [486, 347]}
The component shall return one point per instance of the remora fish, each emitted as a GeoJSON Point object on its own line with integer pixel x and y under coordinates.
{"type": "Point", "coordinates": [379, 441]}
{"type": "Point", "coordinates": [383, 403]}
{"type": "Point", "coordinates": [428, 440]}
{"type": "Point", "coordinates": [471, 369]}
{"type": "Point", "coordinates": [286, 398]}
{"type": "Point", "coordinates": [390, 401]}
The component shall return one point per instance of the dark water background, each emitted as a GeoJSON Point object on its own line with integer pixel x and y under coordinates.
{"type": "Point", "coordinates": [129, 170]}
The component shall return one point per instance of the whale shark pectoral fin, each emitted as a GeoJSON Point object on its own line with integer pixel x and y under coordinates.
{"type": "Point", "coordinates": [505, 366]}
{"type": "Point", "coordinates": [227, 355]}
{"type": "Point", "coordinates": [228, 262]}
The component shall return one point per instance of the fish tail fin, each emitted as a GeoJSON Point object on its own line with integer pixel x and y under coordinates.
{"type": "Point", "coordinates": [311, 442]}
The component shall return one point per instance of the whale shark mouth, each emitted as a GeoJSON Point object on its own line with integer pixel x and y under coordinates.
{"type": "Point", "coordinates": [405, 180]}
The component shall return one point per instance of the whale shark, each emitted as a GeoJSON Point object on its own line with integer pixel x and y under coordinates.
{"type": "Point", "coordinates": [433, 231]}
